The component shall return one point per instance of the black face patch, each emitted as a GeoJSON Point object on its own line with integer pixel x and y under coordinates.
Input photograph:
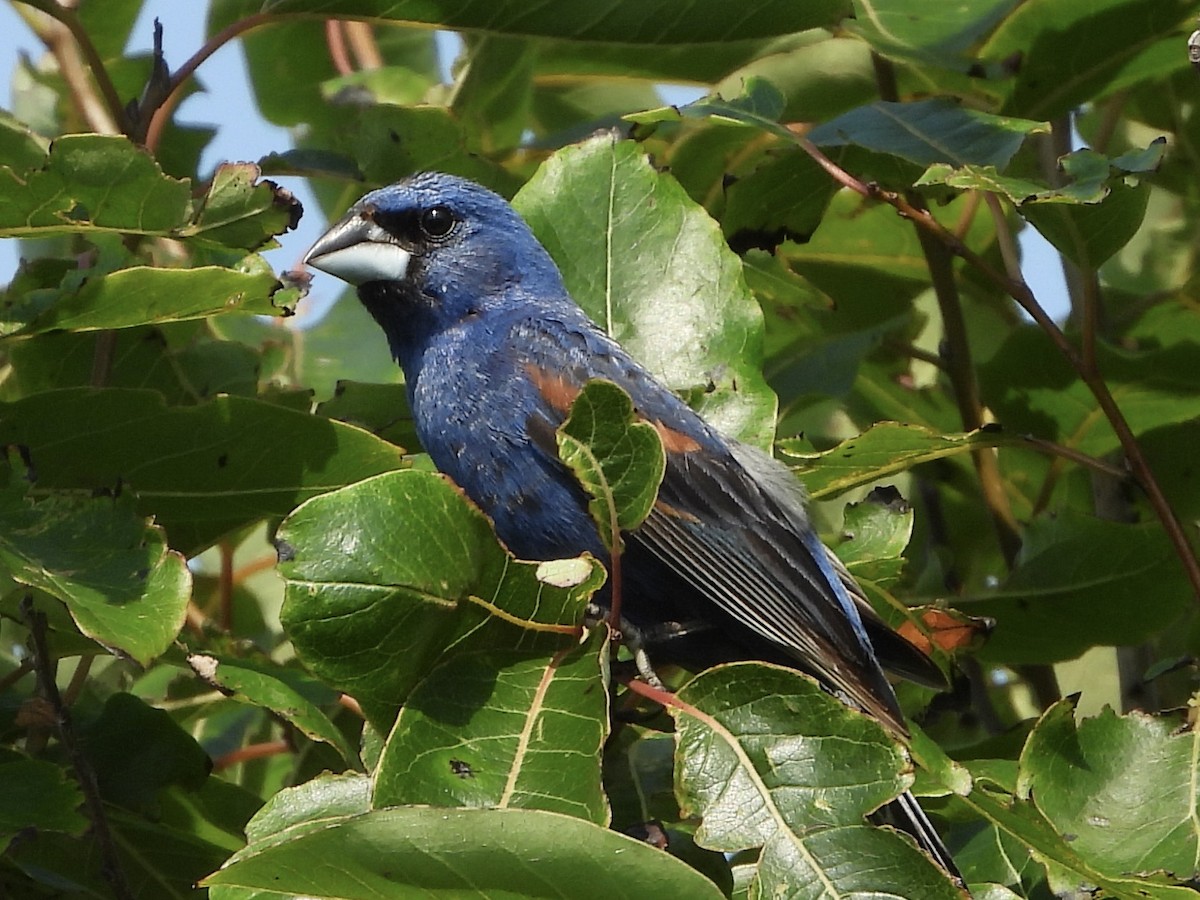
{"type": "Point", "coordinates": [417, 228]}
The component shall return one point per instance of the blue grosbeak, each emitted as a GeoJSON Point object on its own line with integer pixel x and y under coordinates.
{"type": "Point", "coordinates": [494, 350]}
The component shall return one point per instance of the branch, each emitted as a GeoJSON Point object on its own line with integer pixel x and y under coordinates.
{"type": "Point", "coordinates": [110, 863]}
{"type": "Point", "coordinates": [174, 93]}
{"type": "Point", "coordinates": [1021, 293]}
{"type": "Point", "coordinates": [111, 120]}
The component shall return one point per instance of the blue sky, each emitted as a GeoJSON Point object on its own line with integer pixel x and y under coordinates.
{"type": "Point", "coordinates": [226, 101]}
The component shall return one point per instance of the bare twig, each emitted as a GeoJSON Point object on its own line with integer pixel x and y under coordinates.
{"type": "Point", "coordinates": [335, 40]}
{"type": "Point", "coordinates": [361, 38]}
{"type": "Point", "coordinates": [110, 863]}
{"type": "Point", "coordinates": [184, 72]}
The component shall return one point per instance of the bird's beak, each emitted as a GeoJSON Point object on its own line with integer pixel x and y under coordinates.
{"type": "Point", "coordinates": [357, 250]}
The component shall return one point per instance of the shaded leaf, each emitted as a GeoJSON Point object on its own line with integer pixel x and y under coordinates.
{"type": "Point", "coordinates": [38, 794]}
{"type": "Point", "coordinates": [145, 296]}
{"type": "Point", "coordinates": [930, 131]}
{"type": "Point", "coordinates": [1081, 582]}
{"type": "Point", "coordinates": [447, 853]}
{"type": "Point", "coordinates": [884, 449]}
{"type": "Point", "coordinates": [1073, 51]}
{"type": "Point", "coordinates": [202, 471]}
{"type": "Point", "coordinates": [289, 694]}
{"type": "Point", "coordinates": [113, 570]}
{"type": "Point", "coordinates": [131, 773]}
{"type": "Point", "coordinates": [654, 22]}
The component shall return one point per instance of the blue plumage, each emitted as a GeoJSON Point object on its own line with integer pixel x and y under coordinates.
{"type": "Point", "coordinates": [494, 350]}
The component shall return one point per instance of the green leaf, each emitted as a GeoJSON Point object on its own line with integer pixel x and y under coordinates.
{"type": "Point", "coordinates": [307, 807]}
{"type": "Point", "coordinates": [381, 409]}
{"type": "Point", "coordinates": [756, 216]}
{"type": "Point", "coordinates": [1075, 51]}
{"type": "Point", "coordinates": [616, 456]}
{"type": "Point", "coordinates": [20, 147]}
{"type": "Point", "coordinates": [405, 555]}
{"type": "Point", "coordinates": [95, 184]}
{"type": "Point", "coordinates": [503, 729]}
{"type": "Point", "coordinates": [92, 181]}
{"type": "Point", "coordinates": [819, 75]}
{"type": "Point", "coordinates": [875, 534]}
{"type": "Point", "coordinates": [930, 131]}
{"type": "Point", "coordinates": [1081, 582]}
{"type": "Point", "coordinates": [1090, 235]}
{"type": "Point", "coordinates": [639, 777]}
{"type": "Point", "coordinates": [759, 104]}
{"type": "Point", "coordinates": [288, 693]}
{"type": "Point", "coordinates": [141, 358]}
{"type": "Point", "coordinates": [768, 759]}
{"type": "Point", "coordinates": [1067, 870]}
{"type": "Point", "coordinates": [1124, 787]}
{"type": "Point", "coordinates": [652, 270]}
{"type": "Point", "coordinates": [494, 90]}
{"type": "Point", "coordinates": [454, 853]}
{"type": "Point", "coordinates": [131, 772]}
{"type": "Point", "coordinates": [927, 33]}
{"type": "Point", "coordinates": [113, 570]}
{"type": "Point", "coordinates": [146, 296]}
{"type": "Point", "coordinates": [653, 22]}
{"type": "Point", "coordinates": [393, 142]}
{"type": "Point", "coordinates": [240, 210]}
{"type": "Point", "coordinates": [1033, 390]}
{"type": "Point", "coordinates": [884, 449]}
{"type": "Point", "coordinates": [1091, 177]}
{"type": "Point", "coordinates": [202, 471]}
{"type": "Point", "coordinates": [38, 795]}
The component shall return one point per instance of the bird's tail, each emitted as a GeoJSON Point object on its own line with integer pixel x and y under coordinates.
{"type": "Point", "coordinates": [905, 814]}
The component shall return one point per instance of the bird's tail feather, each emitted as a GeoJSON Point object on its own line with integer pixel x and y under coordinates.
{"type": "Point", "coordinates": [905, 814]}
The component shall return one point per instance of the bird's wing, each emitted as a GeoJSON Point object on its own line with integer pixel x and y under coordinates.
{"type": "Point", "coordinates": [736, 538]}
{"type": "Point", "coordinates": [717, 528]}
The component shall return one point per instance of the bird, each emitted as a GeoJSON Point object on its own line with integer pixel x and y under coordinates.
{"type": "Point", "coordinates": [725, 567]}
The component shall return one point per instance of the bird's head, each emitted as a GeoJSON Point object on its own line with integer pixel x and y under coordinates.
{"type": "Point", "coordinates": [432, 251]}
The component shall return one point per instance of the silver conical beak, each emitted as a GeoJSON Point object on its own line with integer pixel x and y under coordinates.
{"type": "Point", "coordinates": [357, 250]}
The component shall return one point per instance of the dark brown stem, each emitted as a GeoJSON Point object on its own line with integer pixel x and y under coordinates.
{"type": "Point", "coordinates": [110, 864]}
{"type": "Point", "coordinates": [959, 363]}
{"type": "Point", "coordinates": [15, 675]}
{"type": "Point", "coordinates": [184, 72]}
{"type": "Point", "coordinates": [614, 574]}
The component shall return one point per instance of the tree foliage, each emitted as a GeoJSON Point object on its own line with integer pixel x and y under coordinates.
{"type": "Point", "coordinates": [251, 641]}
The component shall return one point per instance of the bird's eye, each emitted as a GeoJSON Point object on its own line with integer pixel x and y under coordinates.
{"type": "Point", "coordinates": [437, 221]}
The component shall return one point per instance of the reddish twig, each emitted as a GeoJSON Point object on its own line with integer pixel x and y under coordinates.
{"type": "Point", "coordinates": [184, 72]}
{"type": "Point", "coordinates": [1021, 293]}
